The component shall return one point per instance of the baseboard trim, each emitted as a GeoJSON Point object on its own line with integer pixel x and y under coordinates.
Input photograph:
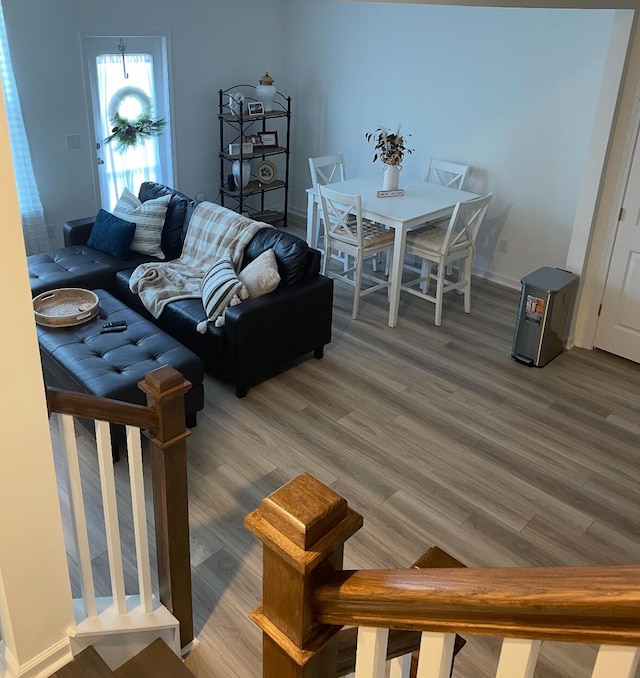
{"type": "Point", "coordinates": [498, 278]}
{"type": "Point", "coordinates": [44, 664]}
{"type": "Point", "coordinates": [297, 218]}
{"type": "Point", "coordinates": [188, 647]}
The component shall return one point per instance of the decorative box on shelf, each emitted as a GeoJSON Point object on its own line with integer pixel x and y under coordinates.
{"type": "Point", "coordinates": [234, 149]}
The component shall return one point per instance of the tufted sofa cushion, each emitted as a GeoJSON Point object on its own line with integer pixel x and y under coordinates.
{"type": "Point", "coordinates": [111, 365]}
{"type": "Point", "coordinates": [291, 253]}
{"type": "Point", "coordinates": [76, 266]}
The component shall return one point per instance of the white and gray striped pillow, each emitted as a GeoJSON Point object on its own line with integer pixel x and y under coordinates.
{"type": "Point", "coordinates": [219, 288]}
{"type": "Point", "coordinates": [149, 220]}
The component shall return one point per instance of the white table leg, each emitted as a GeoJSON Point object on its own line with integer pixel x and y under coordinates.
{"type": "Point", "coordinates": [313, 224]}
{"type": "Point", "coordinates": [395, 274]}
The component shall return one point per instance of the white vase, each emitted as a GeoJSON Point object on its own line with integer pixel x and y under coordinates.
{"type": "Point", "coordinates": [391, 177]}
{"type": "Point", "coordinates": [235, 103]}
{"type": "Point", "coordinates": [241, 174]}
{"type": "Point", "coordinates": [266, 92]}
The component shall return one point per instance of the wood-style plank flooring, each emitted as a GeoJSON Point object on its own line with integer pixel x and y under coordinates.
{"type": "Point", "coordinates": [436, 436]}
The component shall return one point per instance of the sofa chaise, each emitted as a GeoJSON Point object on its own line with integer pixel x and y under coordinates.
{"type": "Point", "coordinates": [260, 337]}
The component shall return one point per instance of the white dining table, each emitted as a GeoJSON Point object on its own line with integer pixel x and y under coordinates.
{"type": "Point", "coordinates": [421, 202]}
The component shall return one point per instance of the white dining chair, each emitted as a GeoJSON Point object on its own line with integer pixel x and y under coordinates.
{"type": "Point", "coordinates": [326, 169]}
{"type": "Point", "coordinates": [439, 247]}
{"type": "Point", "coordinates": [445, 173]}
{"type": "Point", "coordinates": [348, 232]}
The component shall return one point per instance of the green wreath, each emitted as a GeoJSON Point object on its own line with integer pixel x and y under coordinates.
{"type": "Point", "coordinates": [129, 133]}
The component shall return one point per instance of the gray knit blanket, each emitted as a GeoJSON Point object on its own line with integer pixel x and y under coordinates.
{"type": "Point", "coordinates": [213, 231]}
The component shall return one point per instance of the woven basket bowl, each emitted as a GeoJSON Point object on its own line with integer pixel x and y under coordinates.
{"type": "Point", "coordinates": [65, 307]}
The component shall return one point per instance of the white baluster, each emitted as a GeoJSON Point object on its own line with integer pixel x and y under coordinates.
{"type": "Point", "coordinates": [400, 667]}
{"type": "Point", "coordinates": [78, 515]}
{"type": "Point", "coordinates": [109, 502]}
{"type": "Point", "coordinates": [371, 654]}
{"type": "Point", "coordinates": [518, 658]}
{"type": "Point", "coordinates": [436, 655]}
{"type": "Point", "coordinates": [136, 480]}
{"type": "Point", "coordinates": [616, 661]}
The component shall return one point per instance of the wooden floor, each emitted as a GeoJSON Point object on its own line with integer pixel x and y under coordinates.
{"type": "Point", "coordinates": [436, 436]}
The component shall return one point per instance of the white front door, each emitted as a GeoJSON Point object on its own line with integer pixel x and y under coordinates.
{"type": "Point", "coordinates": [128, 75]}
{"type": "Point", "coordinates": [619, 323]}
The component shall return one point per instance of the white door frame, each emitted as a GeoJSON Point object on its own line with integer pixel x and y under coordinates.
{"type": "Point", "coordinates": [87, 86]}
{"type": "Point", "coordinates": [611, 195]}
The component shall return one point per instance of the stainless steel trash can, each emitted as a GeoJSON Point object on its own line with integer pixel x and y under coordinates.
{"type": "Point", "coordinates": [544, 315]}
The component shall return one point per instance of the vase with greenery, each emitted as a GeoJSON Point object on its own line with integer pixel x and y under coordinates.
{"type": "Point", "coordinates": [390, 147]}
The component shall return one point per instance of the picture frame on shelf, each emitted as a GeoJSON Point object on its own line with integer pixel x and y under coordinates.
{"type": "Point", "coordinates": [234, 149]}
{"type": "Point", "coordinates": [266, 172]}
{"type": "Point", "coordinates": [253, 139]}
{"type": "Point", "coordinates": [268, 138]}
{"type": "Point", "coordinates": [255, 108]}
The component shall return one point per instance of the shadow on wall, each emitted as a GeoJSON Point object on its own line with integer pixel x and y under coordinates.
{"type": "Point", "coordinates": [488, 238]}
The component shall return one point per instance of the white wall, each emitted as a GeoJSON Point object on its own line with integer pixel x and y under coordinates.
{"type": "Point", "coordinates": [213, 45]}
{"type": "Point", "coordinates": [35, 595]}
{"type": "Point", "coordinates": [512, 92]}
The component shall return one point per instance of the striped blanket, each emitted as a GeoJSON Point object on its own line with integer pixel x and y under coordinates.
{"type": "Point", "coordinates": [212, 232]}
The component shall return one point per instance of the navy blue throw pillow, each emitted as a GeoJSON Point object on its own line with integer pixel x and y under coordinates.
{"type": "Point", "coordinates": [112, 235]}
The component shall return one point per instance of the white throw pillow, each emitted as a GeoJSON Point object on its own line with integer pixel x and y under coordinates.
{"type": "Point", "coordinates": [219, 287]}
{"type": "Point", "coordinates": [261, 275]}
{"type": "Point", "coordinates": [149, 220]}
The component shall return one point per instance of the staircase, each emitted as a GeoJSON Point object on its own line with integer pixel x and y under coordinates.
{"type": "Point", "coordinates": [308, 598]}
{"type": "Point", "coordinates": [155, 660]}
{"type": "Point", "coordinates": [139, 632]}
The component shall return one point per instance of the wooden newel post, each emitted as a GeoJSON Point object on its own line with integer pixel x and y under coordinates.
{"type": "Point", "coordinates": [165, 389]}
{"type": "Point", "coordinates": [303, 527]}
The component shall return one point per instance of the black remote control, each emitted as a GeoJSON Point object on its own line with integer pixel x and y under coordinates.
{"type": "Point", "coordinates": [115, 323]}
{"type": "Point", "coordinates": [114, 328]}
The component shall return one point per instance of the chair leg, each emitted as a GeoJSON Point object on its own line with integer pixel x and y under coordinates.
{"type": "Point", "coordinates": [357, 286]}
{"type": "Point", "coordinates": [467, 284]}
{"type": "Point", "coordinates": [425, 272]}
{"type": "Point", "coordinates": [327, 256]}
{"type": "Point", "coordinates": [439, 294]}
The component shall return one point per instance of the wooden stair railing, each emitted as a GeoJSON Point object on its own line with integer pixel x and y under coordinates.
{"type": "Point", "coordinates": [401, 644]}
{"type": "Point", "coordinates": [307, 598]}
{"type": "Point", "coordinates": [164, 418]}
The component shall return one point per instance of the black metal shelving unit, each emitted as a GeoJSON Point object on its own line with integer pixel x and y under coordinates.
{"type": "Point", "coordinates": [233, 129]}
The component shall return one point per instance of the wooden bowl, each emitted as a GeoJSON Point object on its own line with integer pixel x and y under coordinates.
{"type": "Point", "coordinates": [65, 307]}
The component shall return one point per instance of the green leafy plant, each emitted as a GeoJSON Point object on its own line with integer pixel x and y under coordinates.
{"type": "Point", "coordinates": [130, 133]}
{"type": "Point", "coordinates": [390, 147]}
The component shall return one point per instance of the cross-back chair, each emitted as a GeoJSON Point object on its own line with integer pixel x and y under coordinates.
{"type": "Point", "coordinates": [445, 173]}
{"type": "Point", "coordinates": [348, 232]}
{"type": "Point", "coordinates": [327, 169]}
{"type": "Point", "coordinates": [439, 246]}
